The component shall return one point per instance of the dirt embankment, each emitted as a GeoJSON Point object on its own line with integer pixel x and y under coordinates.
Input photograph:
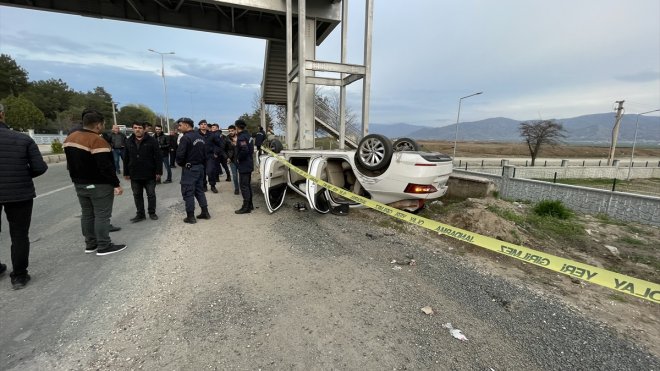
{"type": "Point", "coordinates": [628, 248]}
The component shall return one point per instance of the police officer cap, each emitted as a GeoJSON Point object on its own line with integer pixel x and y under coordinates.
{"type": "Point", "coordinates": [186, 120]}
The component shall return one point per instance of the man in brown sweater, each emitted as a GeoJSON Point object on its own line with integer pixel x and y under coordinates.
{"type": "Point", "coordinates": [92, 170]}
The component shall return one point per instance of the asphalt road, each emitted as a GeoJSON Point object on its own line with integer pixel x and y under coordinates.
{"type": "Point", "coordinates": [63, 276]}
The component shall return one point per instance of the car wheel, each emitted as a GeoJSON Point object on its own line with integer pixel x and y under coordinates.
{"type": "Point", "coordinates": [374, 152]}
{"type": "Point", "coordinates": [405, 144]}
{"type": "Point", "coordinates": [275, 146]}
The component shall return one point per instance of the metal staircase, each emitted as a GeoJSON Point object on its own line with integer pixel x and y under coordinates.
{"type": "Point", "coordinates": [326, 118]}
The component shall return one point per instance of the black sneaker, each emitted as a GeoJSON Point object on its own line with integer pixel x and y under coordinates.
{"type": "Point", "coordinates": [167, 181]}
{"type": "Point", "coordinates": [3, 268]}
{"type": "Point", "coordinates": [138, 218]}
{"type": "Point", "coordinates": [236, 191]}
{"type": "Point", "coordinates": [114, 229]}
{"type": "Point", "coordinates": [19, 282]}
{"type": "Point", "coordinates": [153, 216]}
{"type": "Point", "coordinates": [89, 250]}
{"type": "Point", "coordinates": [113, 248]}
{"type": "Point", "coordinates": [213, 189]}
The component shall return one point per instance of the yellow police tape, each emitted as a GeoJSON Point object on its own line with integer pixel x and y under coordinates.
{"type": "Point", "coordinates": [619, 282]}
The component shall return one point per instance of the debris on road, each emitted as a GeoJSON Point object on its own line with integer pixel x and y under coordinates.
{"type": "Point", "coordinates": [408, 260]}
{"type": "Point", "coordinates": [427, 310]}
{"type": "Point", "coordinates": [456, 333]}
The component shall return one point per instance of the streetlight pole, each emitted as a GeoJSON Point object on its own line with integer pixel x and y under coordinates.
{"type": "Point", "coordinates": [632, 153]}
{"type": "Point", "coordinates": [114, 112]}
{"type": "Point", "coordinates": [162, 69]}
{"type": "Point", "coordinates": [459, 116]}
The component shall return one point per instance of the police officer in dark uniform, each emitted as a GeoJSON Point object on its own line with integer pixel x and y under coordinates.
{"type": "Point", "coordinates": [191, 156]}
{"type": "Point", "coordinates": [213, 147]}
{"type": "Point", "coordinates": [244, 165]}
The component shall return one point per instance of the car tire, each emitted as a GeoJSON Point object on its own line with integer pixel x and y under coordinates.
{"type": "Point", "coordinates": [275, 146]}
{"type": "Point", "coordinates": [405, 144]}
{"type": "Point", "coordinates": [374, 152]}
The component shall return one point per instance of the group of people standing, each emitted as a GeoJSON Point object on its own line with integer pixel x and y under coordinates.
{"type": "Point", "coordinates": [93, 162]}
{"type": "Point", "coordinates": [201, 154]}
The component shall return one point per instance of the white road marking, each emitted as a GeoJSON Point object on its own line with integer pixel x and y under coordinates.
{"type": "Point", "coordinates": [54, 191]}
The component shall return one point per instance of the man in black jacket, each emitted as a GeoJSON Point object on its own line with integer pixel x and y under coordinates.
{"type": "Point", "coordinates": [92, 170]}
{"type": "Point", "coordinates": [174, 143]}
{"type": "Point", "coordinates": [20, 161]}
{"type": "Point", "coordinates": [164, 145]}
{"type": "Point", "coordinates": [213, 148]}
{"type": "Point", "coordinates": [244, 165]}
{"type": "Point", "coordinates": [143, 166]}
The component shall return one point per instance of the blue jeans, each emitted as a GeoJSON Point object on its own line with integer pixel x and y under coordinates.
{"type": "Point", "coordinates": [166, 162]}
{"type": "Point", "coordinates": [117, 153]}
{"type": "Point", "coordinates": [234, 175]}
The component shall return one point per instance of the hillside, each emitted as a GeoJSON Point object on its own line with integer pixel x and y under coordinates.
{"type": "Point", "coordinates": [595, 128]}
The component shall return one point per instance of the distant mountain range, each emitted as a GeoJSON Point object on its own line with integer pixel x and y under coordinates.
{"type": "Point", "coordinates": [595, 128]}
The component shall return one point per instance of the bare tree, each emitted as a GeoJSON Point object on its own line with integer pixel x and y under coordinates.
{"type": "Point", "coordinates": [539, 133]}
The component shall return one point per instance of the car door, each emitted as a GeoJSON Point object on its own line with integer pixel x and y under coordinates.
{"type": "Point", "coordinates": [273, 182]}
{"type": "Point", "coordinates": [316, 195]}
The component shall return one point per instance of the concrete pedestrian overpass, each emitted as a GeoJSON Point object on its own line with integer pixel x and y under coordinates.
{"type": "Point", "coordinates": [292, 28]}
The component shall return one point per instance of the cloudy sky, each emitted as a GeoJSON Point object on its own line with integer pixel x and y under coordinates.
{"type": "Point", "coordinates": [532, 59]}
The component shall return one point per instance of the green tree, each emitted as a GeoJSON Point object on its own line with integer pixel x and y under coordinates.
{"type": "Point", "coordinates": [51, 96]}
{"type": "Point", "coordinates": [135, 112]}
{"type": "Point", "coordinates": [97, 99]}
{"type": "Point", "coordinates": [253, 120]}
{"type": "Point", "coordinates": [13, 78]}
{"type": "Point", "coordinates": [21, 114]}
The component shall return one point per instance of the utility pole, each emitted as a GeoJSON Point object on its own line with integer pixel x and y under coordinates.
{"type": "Point", "coordinates": [615, 131]}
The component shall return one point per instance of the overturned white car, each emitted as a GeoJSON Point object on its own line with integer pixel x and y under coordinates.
{"type": "Point", "coordinates": [398, 175]}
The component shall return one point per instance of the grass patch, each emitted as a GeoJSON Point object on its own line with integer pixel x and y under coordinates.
{"type": "Point", "coordinates": [604, 218]}
{"type": "Point", "coordinates": [630, 241]}
{"type": "Point", "coordinates": [559, 229]}
{"type": "Point", "coordinates": [448, 205]}
{"type": "Point", "coordinates": [651, 261]}
{"type": "Point", "coordinates": [637, 230]}
{"type": "Point", "coordinates": [506, 214]}
{"type": "Point", "coordinates": [553, 208]}
{"type": "Point", "coordinates": [544, 226]}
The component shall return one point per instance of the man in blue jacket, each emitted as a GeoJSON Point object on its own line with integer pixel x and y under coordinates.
{"type": "Point", "coordinates": [143, 166]}
{"type": "Point", "coordinates": [20, 161]}
{"type": "Point", "coordinates": [244, 165]}
{"type": "Point", "coordinates": [191, 156]}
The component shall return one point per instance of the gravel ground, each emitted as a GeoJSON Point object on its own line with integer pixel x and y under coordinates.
{"type": "Point", "coordinates": [300, 290]}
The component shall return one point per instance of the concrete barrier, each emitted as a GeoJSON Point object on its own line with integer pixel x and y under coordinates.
{"type": "Point", "coordinates": [617, 205]}
{"type": "Point", "coordinates": [469, 186]}
{"type": "Point", "coordinates": [50, 159]}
